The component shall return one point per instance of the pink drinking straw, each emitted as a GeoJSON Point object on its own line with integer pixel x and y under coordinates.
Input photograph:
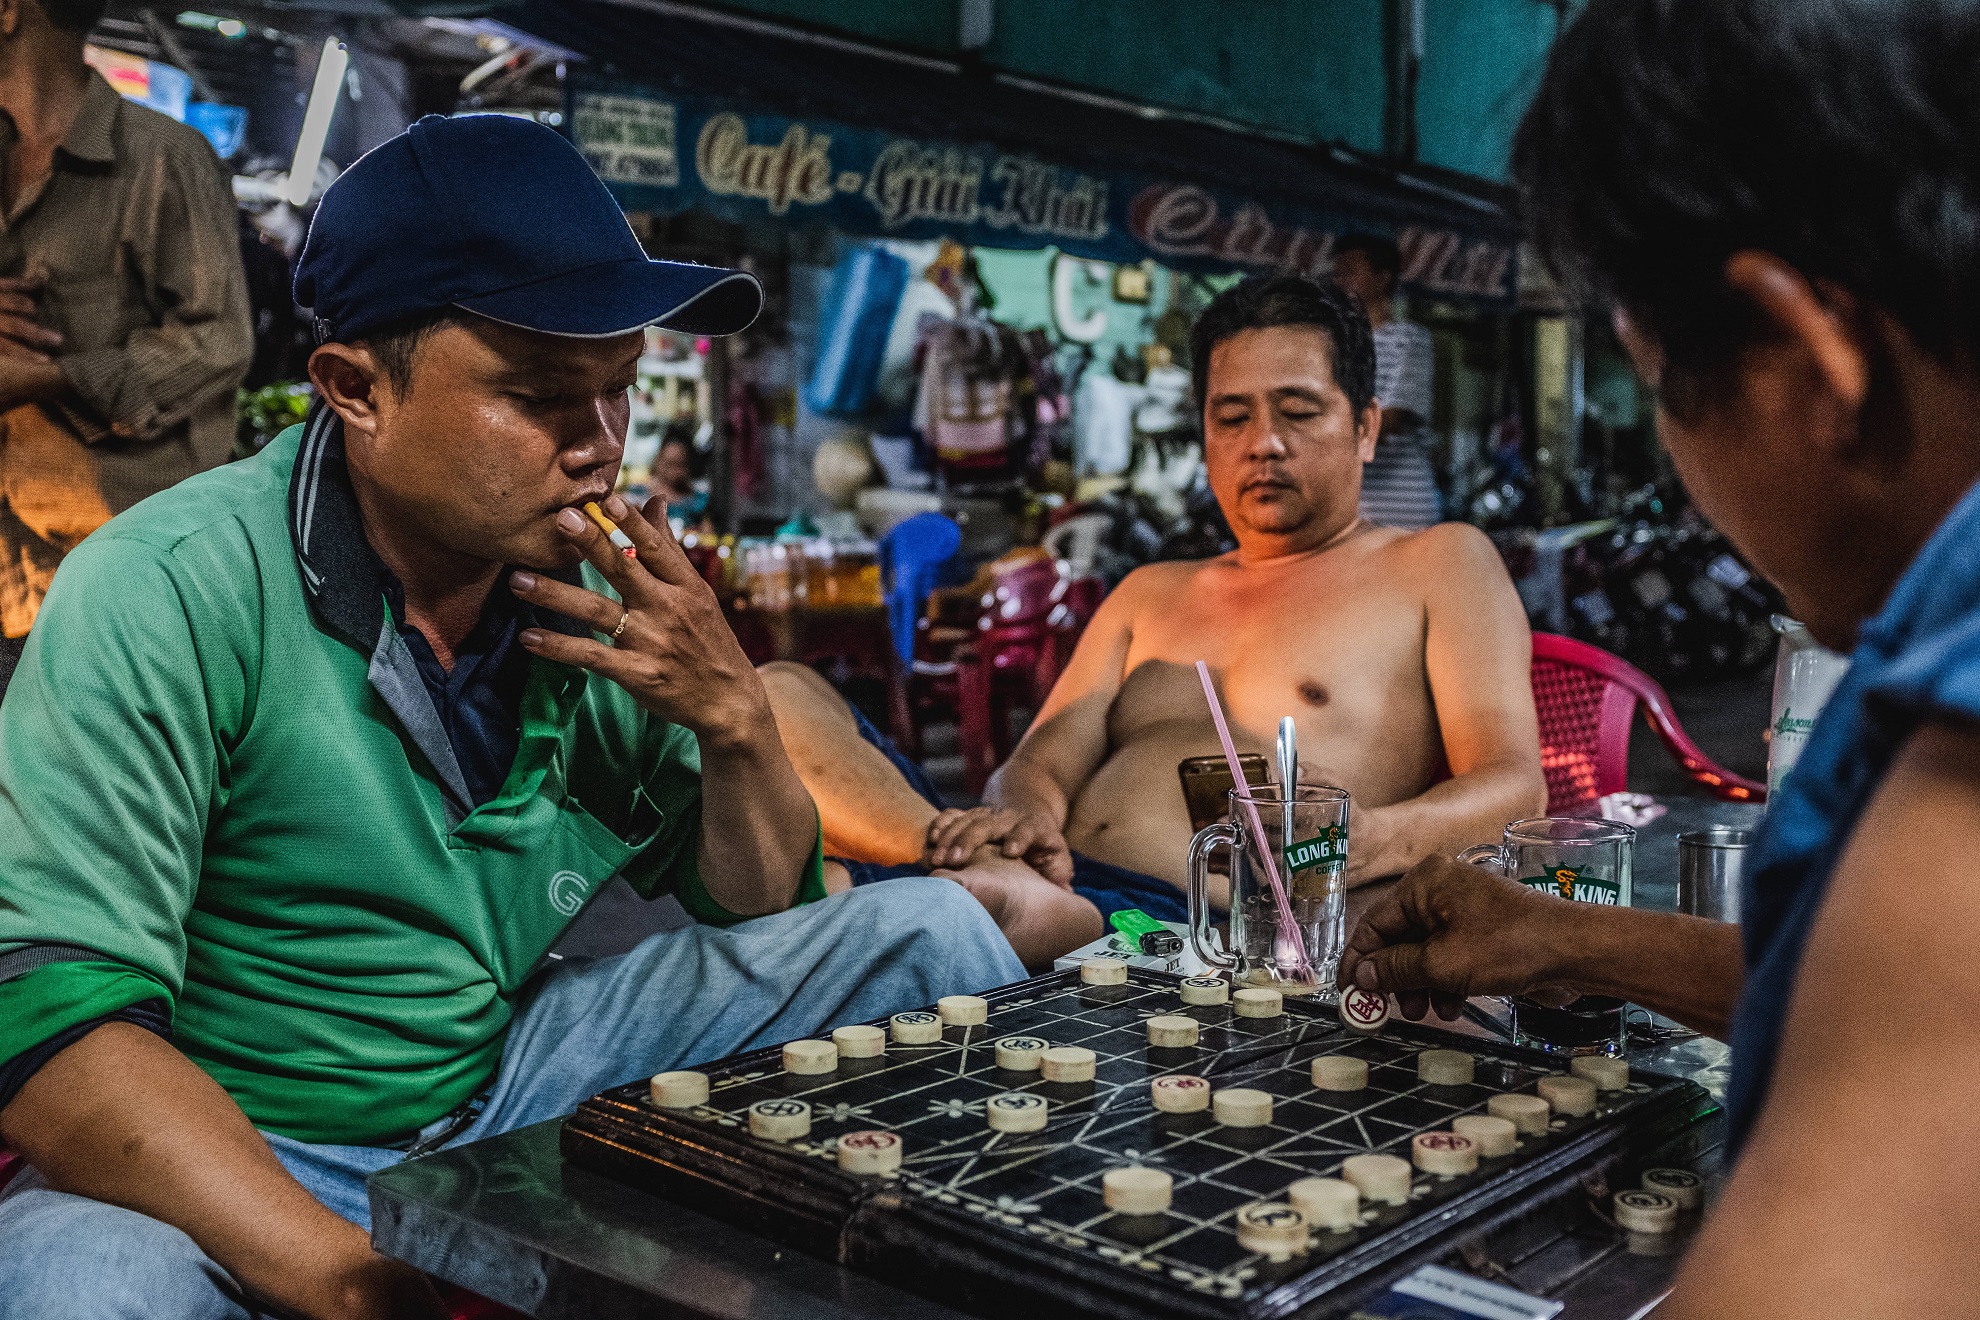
{"type": "Point", "coordinates": [1288, 928]}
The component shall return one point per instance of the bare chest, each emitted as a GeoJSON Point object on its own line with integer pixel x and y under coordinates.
{"type": "Point", "coordinates": [1334, 651]}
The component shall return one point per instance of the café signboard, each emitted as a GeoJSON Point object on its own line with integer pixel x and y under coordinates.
{"type": "Point", "coordinates": [662, 152]}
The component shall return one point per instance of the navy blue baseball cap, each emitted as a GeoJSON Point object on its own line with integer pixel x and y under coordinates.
{"type": "Point", "coordinates": [502, 217]}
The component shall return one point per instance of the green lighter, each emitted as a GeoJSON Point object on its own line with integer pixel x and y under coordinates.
{"type": "Point", "coordinates": [1148, 934]}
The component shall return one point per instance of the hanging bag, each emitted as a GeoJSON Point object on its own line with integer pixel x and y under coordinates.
{"type": "Point", "coordinates": [858, 314]}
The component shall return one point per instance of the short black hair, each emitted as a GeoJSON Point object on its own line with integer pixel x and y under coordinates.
{"type": "Point", "coordinates": [77, 16]}
{"type": "Point", "coordinates": [396, 345]}
{"type": "Point", "coordinates": [1384, 257]}
{"type": "Point", "coordinates": [1268, 300]}
{"type": "Point", "coordinates": [1842, 137]}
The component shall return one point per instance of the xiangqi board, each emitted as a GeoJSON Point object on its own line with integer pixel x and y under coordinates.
{"type": "Point", "coordinates": [1000, 1197]}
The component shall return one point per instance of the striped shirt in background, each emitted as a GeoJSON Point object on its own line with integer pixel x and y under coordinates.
{"type": "Point", "coordinates": [1399, 485]}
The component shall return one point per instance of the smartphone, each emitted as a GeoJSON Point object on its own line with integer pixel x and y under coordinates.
{"type": "Point", "coordinates": [1206, 785]}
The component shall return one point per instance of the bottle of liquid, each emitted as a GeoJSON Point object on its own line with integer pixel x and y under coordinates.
{"type": "Point", "coordinates": [1805, 673]}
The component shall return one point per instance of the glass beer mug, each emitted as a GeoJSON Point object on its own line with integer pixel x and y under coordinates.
{"type": "Point", "coordinates": [1581, 861]}
{"type": "Point", "coordinates": [1309, 839]}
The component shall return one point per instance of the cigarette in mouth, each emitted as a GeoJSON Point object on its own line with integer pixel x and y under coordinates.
{"type": "Point", "coordinates": [611, 529]}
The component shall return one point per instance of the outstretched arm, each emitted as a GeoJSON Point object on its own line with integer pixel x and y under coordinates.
{"type": "Point", "coordinates": [1477, 656]}
{"type": "Point", "coordinates": [1448, 931]}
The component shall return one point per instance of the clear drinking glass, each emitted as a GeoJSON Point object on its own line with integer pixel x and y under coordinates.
{"type": "Point", "coordinates": [1582, 861]}
{"type": "Point", "coordinates": [1309, 839]}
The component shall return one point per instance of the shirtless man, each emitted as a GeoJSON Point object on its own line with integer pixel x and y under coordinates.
{"type": "Point", "coordinates": [1398, 654]}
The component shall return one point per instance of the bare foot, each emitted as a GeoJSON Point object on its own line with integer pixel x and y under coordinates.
{"type": "Point", "coordinates": [1040, 919]}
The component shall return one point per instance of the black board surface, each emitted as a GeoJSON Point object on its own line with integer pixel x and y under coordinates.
{"type": "Point", "coordinates": [1005, 1223]}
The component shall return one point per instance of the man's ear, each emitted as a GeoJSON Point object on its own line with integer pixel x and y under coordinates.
{"type": "Point", "coordinates": [1368, 430]}
{"type": "Point", "coordinates": [349, 379]}
{"type": "Point", "coordinates": [10, 17]}
{"type": "Point", "coordinates": [1812, 354]}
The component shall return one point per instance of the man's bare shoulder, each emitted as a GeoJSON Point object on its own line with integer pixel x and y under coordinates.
{"type": "Point", "coordinates": [1447, 555]}
{"type": "Point", "coordinates": [1153, 585]}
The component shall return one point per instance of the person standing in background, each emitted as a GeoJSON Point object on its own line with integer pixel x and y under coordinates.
{"type": "Point", "coordinates": [1398, 485]}
{"type": "Point", "coordinates": [673, 478]}
{"type": "Point", "coordinates": [124, 324]}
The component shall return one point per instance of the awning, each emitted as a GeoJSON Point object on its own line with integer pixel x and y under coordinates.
{"type": "Point", "coordinates": [677, 110]}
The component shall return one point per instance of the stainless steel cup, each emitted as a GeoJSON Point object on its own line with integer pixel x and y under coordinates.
{"type": "Point", "coordinates": [1710, 862]}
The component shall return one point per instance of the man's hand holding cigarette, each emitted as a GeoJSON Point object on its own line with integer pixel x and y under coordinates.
{"type": "Point", "coordinates": [667, 642]}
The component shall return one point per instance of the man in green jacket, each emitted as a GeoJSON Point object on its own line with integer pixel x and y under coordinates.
{"type": "Point", "coordinates": [310, 760]}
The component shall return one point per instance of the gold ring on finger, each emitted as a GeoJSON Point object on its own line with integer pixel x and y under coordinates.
{"type": "Point", "coordinates": [624, 615]}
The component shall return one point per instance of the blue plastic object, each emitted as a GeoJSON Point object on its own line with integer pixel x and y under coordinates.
{"type": "Point", "coordinates": [225, 126]}
{"type": "Point", "coordinates": [858, 317]}
{"type": "Point", "coordinates": [911, 559]}
{"type": "Point", "coordinates": [798, 526]}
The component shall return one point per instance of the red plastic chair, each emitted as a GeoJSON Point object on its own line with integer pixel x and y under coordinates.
{"type": "Point", "coordinates": [1023, 638]}
{"type": "Point", "coordinates": [983, 651]}
{"type": "Point", "coordinates": [1586, 699]}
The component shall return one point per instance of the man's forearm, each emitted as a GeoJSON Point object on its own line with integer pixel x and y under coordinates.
{"type": "Point", "coordinates": [1022, 786]}
{"type": "Point", "coordinates": [758, 824]}
{"type": "Point", "coordinates": [1687, 968]}
{"type": "Point", "coordinates": [122, 1117]}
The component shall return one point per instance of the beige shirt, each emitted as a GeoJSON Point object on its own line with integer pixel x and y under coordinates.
{"type": "Point", "coordinates": [135, 238]}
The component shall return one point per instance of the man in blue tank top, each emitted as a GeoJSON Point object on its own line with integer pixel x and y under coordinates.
{"type": "Point", "coordinates": [1781, 204]}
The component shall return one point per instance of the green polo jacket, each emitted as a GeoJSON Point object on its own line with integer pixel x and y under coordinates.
{"type": "Point", "coordinates": [211, 794]}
